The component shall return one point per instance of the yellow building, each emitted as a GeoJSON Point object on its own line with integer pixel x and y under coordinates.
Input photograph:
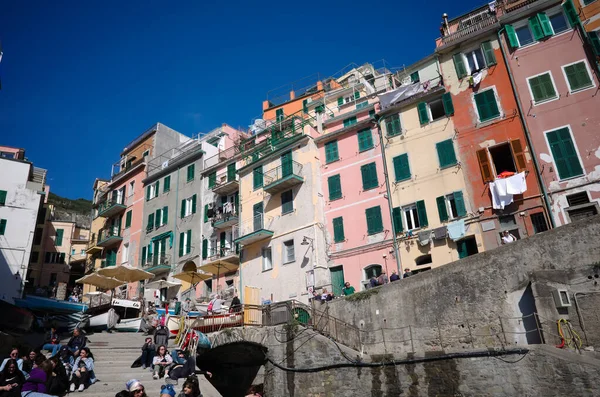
{"type": "Point", "coordinates": [93, 251]}
{"type": "Point", "coordinates": [427, 185]}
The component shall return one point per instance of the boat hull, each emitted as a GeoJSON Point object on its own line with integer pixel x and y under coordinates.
{"type": "Point", "coordinates": [104, 321]}
{"type": "Point", "coordinates": [217, 322]}
{"type": "Point", "coordinates": [15, 318]}
{"type": "Point", "coordinates": [129, 325]}
{"type": "Point", "coordinates": [50, 305]}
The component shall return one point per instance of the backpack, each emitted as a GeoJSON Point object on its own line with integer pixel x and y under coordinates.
{"type": "Point", "coordinates": [210, 305]}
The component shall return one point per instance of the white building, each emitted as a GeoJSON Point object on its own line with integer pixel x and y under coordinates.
{"type": "Point", "coordinates": [21, 196]}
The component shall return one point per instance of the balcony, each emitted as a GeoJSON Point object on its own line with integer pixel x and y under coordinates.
{"type": "Point", "coordinates": [218, 256]}
{"type": "Point", "coordinates": [468, 25]}
{"type": "Point", "coordinates": [109, 237]}
{"type": "Point", "coordinates": [283, 177]}
{"type": "Point", "coordinates": [157, 263]}
{"type": "Point", "coordinates": [253, 230]}
{"type": "Point", "coordinates": [110, 208]}
{"type": "Point", "coordinates": [226, 183]}
{"type": "Point", "coordinates": [509, 6]}
{"type": "Point", "coordinates": [223, 220]}
{"type": "Point", "coordinates": [92, 246]}
{"type": "Point", "coordinates": [108, 262]}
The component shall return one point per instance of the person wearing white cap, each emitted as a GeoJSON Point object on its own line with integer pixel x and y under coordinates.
{"type": "Point", "coordinates": [135, 388]}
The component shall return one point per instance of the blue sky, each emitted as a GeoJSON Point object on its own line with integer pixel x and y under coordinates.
{"type": "Point", "coordinates": [80, 79]}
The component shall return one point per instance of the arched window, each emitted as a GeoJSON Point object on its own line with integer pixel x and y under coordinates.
{"type": "Point", "coordinates": [423, 260]}
{"type": "Point", "coordinates": [189, 266]}
{"type": "Point", "coordinates": [372, 271]}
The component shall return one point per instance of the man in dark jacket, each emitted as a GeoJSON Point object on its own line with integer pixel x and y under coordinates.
{"type": "Point", "coordinates": [76, 342]}
{"type": "Point", "coordinates": [52, 341]}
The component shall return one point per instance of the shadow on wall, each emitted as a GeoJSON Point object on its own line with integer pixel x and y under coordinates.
{"type": "Point", "coordinates": [527, 308]}
{"type": "Point", "coordinates": [10, 286]}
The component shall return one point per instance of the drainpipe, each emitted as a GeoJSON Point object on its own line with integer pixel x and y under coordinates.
{"type": "Point", "coordinates": [174, 239]}
{"type": "Point", "coordinates": [389, 193]}
{"type": "Point", "coordinates": [536, 165]}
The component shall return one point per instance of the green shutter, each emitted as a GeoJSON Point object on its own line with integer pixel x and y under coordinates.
{"type": "Point", "coordinates": [212, 179]}
{"type": "Point", "coordinates": [356, 94]}
{"type": "Point", "coordinates": [564, 153]}
{"type": "Point", "coordinates": [331, 152]}
{"type": "Point", "coordinates": [167, 184]}
{"type": "Point", "coordinates": [150, 224]}
{"type": "Point", "coordinates": [571, 12]}
{"type": "Point", "coordinates": [422, 213]}
{"type": "Point", "coordinates": [545, 24]}
{"type": "Point", "coordinates": [231, 172]}
{"type": "Point", "coordinates": [143, 256]}
{"type": "Point", "coordinates": [205, 212]}
{"type": "Point", "coordinates": [578, 76]}
{"type": "Point", "coordinates": [442, 209]}
{"type": "Point", "coordinates": [128, 220]}
{"type": "Point", "coordinates": [401, 167]}
{"type": "Point", "coordinates": [486, 105]}
{"type": "Point", "coordinates": [459, 65]}
{"type": "Point", "coordinates": [194, 204]}
{"type": "Point", "coordinates": [512, 37]}
{"type": "Point", "coordinates": [397, 219]}
{"type": "Point", "coordinates": [369, 176]}
{"type": "Point", "coordinates": [165, 215]}
{"type": "Point", "coordinates": [446, 154]}
{"type": "Point", "coordinates": [2, 226]}
{"type": "Point", "coordinates": [488, 53]}
{"type": "Point", "coordinates": [257, 176]}
{"type": "Point", "coordinates": [181, 243]}
{"type": "Point", "coordinates": [536, 27]}
{"type": "Point", "coordinates": [340, 101]}
{"type": "Point", "coordinates": [157, 218]}
{"type": "Point", "coordinates": [157, 189]}
{"type": "Point", "coordinates": [374, 221]}
{"type": "Point", "coordinates": [204, 248]}
{"type": "Point", "coordinates": [595, 40]}
{"type": "Point", "coordinates": [338, 230]}
{"type": "Point", "coordinates": [365, 140]}
{"type": "Point", "coordinates": [148, 192]}
{"type": "Point", "coordinates": [414, 77]}
{"type": "Point", "coordinates": [448, 105]}
{"type": "Point", "coordinates": [335, 187]}
{"type": "Point", "coordinates": [305, 106]}
{"type": "Point", "coordinates": [542, 88]}
{"type": "Point", "coordinates": [2, 197]}
{"type": "Point", "coordinates": [393, 126]}
{"type": "Point", "coordinates": [59, 237]}
{"type": "Point", "coordinates": [188, 246]}
{"type": "Point", "coordinates": [350, 121]}
{"type": "Point", "coordinates": [423, 115]}
{"type": "Point", "coordinates": [279, 116]}
{"type": "Point", "coordinates": [287, 202]}
{"type": "Point", "coordinates": [459, 201]}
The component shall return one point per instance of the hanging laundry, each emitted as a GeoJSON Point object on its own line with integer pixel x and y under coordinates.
{"type": "Point", "coordinates": [424, 237]}
{"type": "Point", "coordinates": [440, 233]}
{"type": "Point", "coordinates": [456, 229]}
{"type": "Point", "coordinates": [426, 85]}
{"type": "Point", "coordinates": [500, 198]}
{"type": "Point", "coordinates": [476, 79]}
{"type": "Point", "coordinates": [516, 184]}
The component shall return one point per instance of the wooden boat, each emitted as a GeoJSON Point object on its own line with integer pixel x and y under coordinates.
{"type": "Point", "coordinates": [50, 305]}
{"type": "Point", "coordinates": [129, 325]}
{"type": "Point", "coordinates": [217, 322]}
{"type": "Point", "coordinates": [15, 318]}
{"type": "Point", "coordinates": [193, 313]}
{"type": "Point", "coordinates": [127, 304]}
{"type": "Point", "coordinates": [104, 321]}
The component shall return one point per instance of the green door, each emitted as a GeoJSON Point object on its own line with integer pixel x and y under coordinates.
{"type": "Point", "coordinates": [461, 247]}
{"type": "Point", "coordinates": [222, 243]}
{"type": "Point", "coordinates": [286, 164]}
{"type": "Point", "coordinates": [337, 280]}
{"type": "Point", "coordinates": [231, 172]}
{"type": "Point", "coordinates": [257, 210]}
{"type": "Point", "coordinates": [111, 258]}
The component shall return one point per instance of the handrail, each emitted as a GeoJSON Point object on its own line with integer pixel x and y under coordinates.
{"type": "Point", "coordinates": [465, 31]}
{"type": "Point", "coordinates": [220, 252]}
{"type": "Point", "coordinates": [108, 203]}
{"type": "Point", "coordinates": [155, 260]}
{"type": "Point", "coordinates": [225, 177]}
{"type": "Point", "coordinates": [108, 233]}
{"type": "Point", "coordinates": [286, 169]}
{"type": "Point", "coordinates": [254, 224]}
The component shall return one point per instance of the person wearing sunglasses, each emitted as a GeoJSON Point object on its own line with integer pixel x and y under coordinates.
{"type": "Point", "coordinates": [14, 355]}
{"type": "Point", "coordinates": [134, 389]}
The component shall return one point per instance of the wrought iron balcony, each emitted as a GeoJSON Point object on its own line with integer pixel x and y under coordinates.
{"type": "Point", "coordinates": [109, 237]}
{"type": "Point", "coordinates": [227, 255]}
{"type": "Point", "coordinates": [222, 219]}
{"type": "Point", "coordinates": [156, 263]}
{"type": "Point", "coordinates": [225, 183]}
{"type": "Point", "coordinates": [110, 207]}
{"type": "Point", "coordinates": [468, 25]}
{"type": "Point", "coordinates": [92, 246]}
{"type": "Point", "coordinates": [252, 230]}
{"type": "Point", "coordinates": [283, 177]}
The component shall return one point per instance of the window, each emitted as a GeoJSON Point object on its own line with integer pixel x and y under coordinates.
{"type": "Point", "coordinates": [423, 260]}
{"type": "Point", "coordinates": [542, 88]}
{"type": "Point", "coordinates": [578, 199]}
{"type": "Point", "coordinates": [257, 177]}
{"type": "Point", "coordinates": [580, 206]}
{"type": "Point", "coordinates": [558, 22]}
{"type": "Point", "coordinates": [369, 176]}
{"type": "Point", "coordinates": [72, 251]}
{"type": "Point", "coordinates": [414, 77]}
{"type": "Point", "coordinates": [2, 197]}
{"type": "Point", "coordinates": [161, 217]}
{"type": "Point", "coordinates": [59, 237]}
{"type": "Point", "coordinates": [524, 35]}
{"type": "Point", "coordinates": [279, 116]}
{"type": "Point", "coordinates": [82, 252]}
{"type": "Point", "coordinates": [397, 219]}
{"type": "Point", "coordinates": [267, 262]}
{"type": "Point", "coordinates": [167, 184]}
{"type": "Point", "coordinates": [446, 154]}
{"type": "Point", "coordinates": [188, 206]}
{"type": "Point", "coordinates": [128, 219]}
{"type": "Point", "coordinates": [595, 39]}
{"type": "Point", "coordinates": [539, 222]}
{"type": "Point", "coordinates": [475, 60]}
{"type": "Point", "coordinates": [393, 126]}
{"type": "Point", "coordinates": [372, 271]}
{"type": "Point", "coordinates": [231, 172]}
{"type": "Point", "coordinates": [287, 202]}
{"type": "Point", "coordinates": [423, 113]}
{"type": "Point", "coordinates": [146, 153]}
{"type": "Point", "coordinates": [2, 227]}
{"type": "Point", "coordinates": [150, 224]}
{"type": "Point", "coordinates": [451, 206]}
{"type": "Point", "coordinates": [374, 221]}
{"type": "Point", "coordinates": [487, 107]}
{"type": "Point", "coordinates": [415, 215]}
{"type": "Point", "coordinates": [331, 152]}
{"type": "Point", "coordinates": [35, 257]}
{"type": "Point", "coordinates": [362, 104]}
{"type": "Point", "coordinates": [365, 140]}
{"type": "Point", "coordinates": [152, 190]}
{"type": "Point", "coordinates": [541, 25]}
{"type": "Point", "coordinates": [185, 243]}
{"type": "Point", "coordinates": [125, 253]}
{"type": "Point", "coordinates": [401, 167]}
{"type": "Point", "coordinates": [335, 187]}
{"type": "Point", "coordinates": [578, 76]}
{"type": "Point", "coordinates": [288, 251]}
{"type": "Point", "coordinates": [467, 247]}
{"type": "Point", "coordinates": [305, 106]}
{"type": "Point", "coordinates": [502, 159]}
{"type": "Point", "coordinates": [131, 188]}
{"type": "Point", "coordinates": [436, 109]}
{"type": "Point", "coordinates": [564, 153]}
{"type": "Point", "coordinates": [350, 121]}
{"type": "Point", "coordinates": [505, 157]}
{"type": "Point", "coordinates": [371, 113]}
{"type": "Point", "coordinates": [338, 230]}
{"type": "Point", "coordinates": [212, 179]}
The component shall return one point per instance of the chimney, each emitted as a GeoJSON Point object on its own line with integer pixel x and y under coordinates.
{"type": "Point", "coordinates": [266, 105]}
{"type": "Point", "coordinates": [319, 85]}
{"type": "Point", "coordinates": [292, 95]}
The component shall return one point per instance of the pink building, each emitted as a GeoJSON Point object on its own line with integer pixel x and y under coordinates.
{"type": "Point", "coordinates": [557, 85]}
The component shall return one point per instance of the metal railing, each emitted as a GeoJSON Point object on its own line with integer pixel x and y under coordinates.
{"type": "Point", "coordinates": [119, 170]}
{"type": "Point", "coordinates": [221, 252]}
{"type": "Point", "coordinates": [109, 203]}
{"type": "Point", "coordinates": [468, 24]}
{"type": "Point", "coordinates": [509, 6]}
{"type": "Point", "coordinates": [105, 234]}
{"type": "Point", "coordinates": [256, 223]}
{"type": "Point", "coordinates": [156, 260]}
{"type": "Point", "coordinates": [220, 216]}
{"type": "Point", "coordinates": [288, 168]}
{"type": "Point", "coordinates": [224, 178]}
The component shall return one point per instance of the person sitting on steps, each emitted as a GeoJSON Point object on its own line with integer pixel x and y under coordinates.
{"type": "Point", "coordinates": [83, 371]}
{"type": "Point", "coordinates": [161, 360]}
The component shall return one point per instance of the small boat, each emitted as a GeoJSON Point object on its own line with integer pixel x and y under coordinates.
{"type": "Point", "coordinates": [193, 313]}
{"type": "Point", "coordinates": [65, 322]}
{"type": "Point", "coordinates": [15, 318]}
{"type": "Point", "coordinates": [50, 305]}
{"type": "Point", "coordinates": [127, 304]}
{"type": "Point", "coordinates": [104, 321]}
{"type": "Point", "coordinates": [129, 325]}
{"type": "Point", "coordinates": [217, 322]}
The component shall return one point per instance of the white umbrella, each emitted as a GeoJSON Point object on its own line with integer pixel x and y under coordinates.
{"type": "Point", "coordinates": [100, 281]}
{"type": "Point", "coordinates": [126, 273]}
{"type": "Point", "coordinates": [160, 284]}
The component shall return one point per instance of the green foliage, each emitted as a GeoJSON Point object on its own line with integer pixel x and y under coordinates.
{"type": "Point", "coordinates": [80, 205]}
{"type": "Point", "coordinates": [363, 295]}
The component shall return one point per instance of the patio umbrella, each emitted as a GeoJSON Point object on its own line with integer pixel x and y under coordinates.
{"type": "Point", "coordinates": [100, 281]}
{"type": "Point", "coordinates": [126, 273]}
{"type": "Point", "coordinates": [192, 277]}
{"type": "Point", "coordinates": [160, 284]}
{"type": "Point", "coordinates": [219, 267]}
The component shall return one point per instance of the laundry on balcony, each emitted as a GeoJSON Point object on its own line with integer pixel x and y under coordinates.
{"type": "Point", "coordinates": [503, 189]}
{"type": "Point", "coordinates": [456, 230]}
{"type": "Point", "coordinates": [406, 91]}
{"type": "Point", "coordinates": [424, 237]}
{"type": "Point", "coordinates": [440, 233]}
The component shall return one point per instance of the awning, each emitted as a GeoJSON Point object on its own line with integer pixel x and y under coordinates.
{"type": "Point", "coordinates": [162, 236]}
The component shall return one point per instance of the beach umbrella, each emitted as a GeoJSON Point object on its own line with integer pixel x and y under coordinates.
{"type": "Point", "coordinates": [192, 277]}
{"type": "Point", "coordinates": [100, 281]}
{"type": "Point", "coordinates": [160, 284]}
{"type": "Point", "coordinates": [126, 273]}
{"type": "Point", "coordinates": [219, 267]}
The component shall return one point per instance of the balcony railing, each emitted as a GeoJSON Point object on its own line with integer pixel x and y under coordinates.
{"type": "Point", "coordinates": [218, 253]}
{"type": "Point", "coordinates": [92, 245]}
{"type": "Point", "coordinates": [111, 207]}
{"type": "Point", "coordinates": [508, 6]}
{"type": "Point", "coordinates": [226, 183]}
{"type": "Point", "coordinates": [467, 25]}
{"type": "Point", "coordinates": [283, 177]}
{"type": "Point", "coordinates": [224, 216]}
{"type": "Point", "coordinates": [157, 262]}
{"type": "Point", "coordinates": [252, 230]}
{"type": "Point", "coordinates": [108, 262]}
{"type": "Point", "coordinates": [109, 237]}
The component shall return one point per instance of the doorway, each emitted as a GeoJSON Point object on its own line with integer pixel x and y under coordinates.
{"type": "Point", "coordinates": [466, 247]}
{"type": "Point", "coordinates": [337, 280]}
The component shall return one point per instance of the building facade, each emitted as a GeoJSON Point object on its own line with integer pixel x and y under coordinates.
{"type": "Point", "coordinates": [22, 195]}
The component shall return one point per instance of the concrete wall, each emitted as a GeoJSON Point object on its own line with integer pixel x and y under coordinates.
{"type": "Point", "coordinates": [577, 111]}
{"type": "Point", "coordinates": [20, 212]}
